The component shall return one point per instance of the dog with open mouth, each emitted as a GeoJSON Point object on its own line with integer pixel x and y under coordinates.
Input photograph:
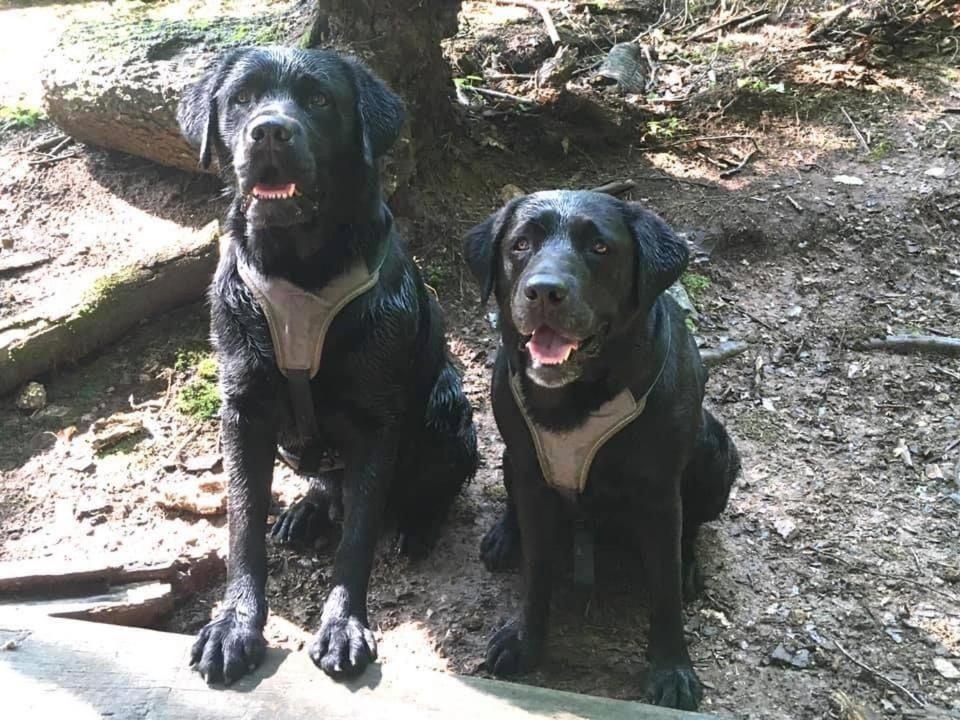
{"type": "Point", "coordinates": [597, 391]}
{"type": "Point", "coordinates": [331, 349]}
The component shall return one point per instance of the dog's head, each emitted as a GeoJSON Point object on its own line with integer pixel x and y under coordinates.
{"type": "Point", "coordinates": [569, 271]}
{"type": "Point", "coordinates": [295, 126]}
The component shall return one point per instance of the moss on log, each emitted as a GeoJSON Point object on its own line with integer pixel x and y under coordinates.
{"type": "Point", "coordinates": [45, 339]}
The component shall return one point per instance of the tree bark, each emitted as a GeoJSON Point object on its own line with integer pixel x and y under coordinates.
{"type": "Point", "coordinates": [117, 84]}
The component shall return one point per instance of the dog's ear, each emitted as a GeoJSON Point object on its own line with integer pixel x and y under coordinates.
{"type": "Point", "coordinates": [197, 111]}
{"type": "Point", "coordinates": [381, 113]}
{"type": "Point", "coordinates": [481, 247]}
{"type": "Point", "coordinates": [661, 256]}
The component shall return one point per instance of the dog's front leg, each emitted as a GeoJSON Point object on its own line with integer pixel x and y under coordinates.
{"type": "Point", "coordinates": [344, 644]}
{"type": "Point", "coordinates": [233, 644]}
{"type": "Point", "coordinates": [518, 646]}
{"type": "Point", "coordinates": [671, 680]}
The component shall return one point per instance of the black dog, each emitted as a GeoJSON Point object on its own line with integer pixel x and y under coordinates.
{"type": "Point", "coordinates": [298, 133]}
{"type": "Point", "coordinates": [597, 365]}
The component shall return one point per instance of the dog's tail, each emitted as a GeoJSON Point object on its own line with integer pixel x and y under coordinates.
{"type": "Point", "coordinates": [710, 474]}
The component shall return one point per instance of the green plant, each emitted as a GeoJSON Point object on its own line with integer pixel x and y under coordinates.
{"type": "Point", "coordinates": [694, 284]}
{"type": "Point", "coordinates": [666, 128]}
{"type": "Point", "coordinates": [200, 396]}
{"type": "Point", "coordinates": [20, 116]}
{"type": "Point", "coordinates": [881, 149]}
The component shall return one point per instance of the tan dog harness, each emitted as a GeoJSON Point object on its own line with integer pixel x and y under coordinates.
{"type": "Point", "coordinates": [566, 456]}
{"type": "Point", "coordinates": [299, 321]}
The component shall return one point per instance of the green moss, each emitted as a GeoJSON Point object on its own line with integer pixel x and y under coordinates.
{"type": "Point", "coordinates": [495, 493]}
{"type": "Point", "coordinates": [199, 398]}
{"type": "Point", "coordinates": [20, 116]}
{"type": "Point", "coordinates": [104, 289]}
{"type": "Point", "coordinates": [695, 284]}
{"type": "Point", "coordinates": [691, 325]}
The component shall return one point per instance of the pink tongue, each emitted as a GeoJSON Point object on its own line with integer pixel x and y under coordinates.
{"type": "Point", "coordinates": [550, 348]}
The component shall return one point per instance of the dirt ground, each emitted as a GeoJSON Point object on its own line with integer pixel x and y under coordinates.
{"type": "Point", "coordinates": [833, 578]}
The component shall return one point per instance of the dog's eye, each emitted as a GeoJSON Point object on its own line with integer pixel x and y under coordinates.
{"type": "Point", "coordinates": [241, 98]}
{"type": "Point", "coordinates": [521, 244]}
{"type": "Point", "coordinates": [319, 100]}
{"type": "Point", "coordinates": [599, 247]}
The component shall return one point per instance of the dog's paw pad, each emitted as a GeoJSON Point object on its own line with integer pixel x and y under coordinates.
{"type": "Point", "coordinates": [500, 548]}
{"type": "Point", "coordinates": [343, 647]}
{"type": "Point", "coordinates": [675, 687]}
{"type": "Point", "coordinates": [509, 652]}
{"type": "Point", "coordinates": [226, 649]}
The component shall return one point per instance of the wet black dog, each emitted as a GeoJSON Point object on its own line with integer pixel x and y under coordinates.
{"type": "Point", "coordinates": [591, 345]}
{"type": "Point", "coordinates": [298, 134]}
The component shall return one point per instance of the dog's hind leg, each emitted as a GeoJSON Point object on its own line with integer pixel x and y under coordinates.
{"type": "Point", "coordinates": [313, 516]}
{"type": "Point", "coordinates": [446, 457]}
{"type": "Point", "coordinates": [707, 481]}
{"type": "Point", "coordinates": [500, 547]}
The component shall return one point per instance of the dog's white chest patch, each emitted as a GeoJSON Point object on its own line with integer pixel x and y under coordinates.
{"type": "Point", "coordinates": [565, 457]}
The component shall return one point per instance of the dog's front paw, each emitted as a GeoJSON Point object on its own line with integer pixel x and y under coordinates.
{"type": "Point", "coordinates": [227, 648]}
{"type": "Point", "coordinates": [344, 646]}
{"type": "Point", "coordinates": [511, 651]}
{"type": "Point", "coordinates": [674, 686]}
{"type": "Point", "coordinates": [500, 547]}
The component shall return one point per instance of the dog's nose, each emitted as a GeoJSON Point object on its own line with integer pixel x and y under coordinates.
{"type": "Point", "coordinates": [272, 129]}
{"type": "Point", "coordinates": [548, 289]}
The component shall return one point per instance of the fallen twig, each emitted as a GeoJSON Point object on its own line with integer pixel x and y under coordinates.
{"type": "Point", "coordinates": [856, 130]}
{"type": "Point", "coordinates": [919, 17]}
{"type": "Point", "coordinates": [753, 21]}
{"type": "Point", "coordinates": [52, 160]}
{"type": "Point", "coordinates": [544, 13]}
{"type": "Point", "coordinates": [743, 163]}
{"type": "Point", "coordinates": [726, 23]}
{"type": "Point", "coordinates": [616, 187]}
{"type": "Point", "coordinates": [796, 205]}
{"type": "Point", "coordinates": [45, 143]}
{"type": "Point", "coordinates": [500, 95]}
{"type": "Point", "coordinates": [704, 138]}
{"type": "Point", "coordinates": [723, 351]}
{"type": "Point", "coordinates": [877, 674]}
{"type": "Point", "coordinates": [828, 22]}
{"type": "Point", "coordinates": [915, 343]}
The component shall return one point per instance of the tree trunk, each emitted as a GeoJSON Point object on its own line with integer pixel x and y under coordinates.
{"type": "Point", "coordinates": [117, 84]}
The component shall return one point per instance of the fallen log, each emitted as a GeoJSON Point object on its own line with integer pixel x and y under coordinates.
{"type": "Point", "coordinates": [72, 327]}
{"type": "Point", "coordinates": [934, 344]}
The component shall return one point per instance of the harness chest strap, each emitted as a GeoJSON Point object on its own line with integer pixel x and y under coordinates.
{"type": "Point", "coordinates": [565, 457]}
{"type": "Point", "coordinates": [299, 321]}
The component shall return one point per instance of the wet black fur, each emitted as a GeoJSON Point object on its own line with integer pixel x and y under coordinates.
{"type": "Point", "coordinates": [659, 478]}
{"type": "Point", "coordinates": [387, 395]}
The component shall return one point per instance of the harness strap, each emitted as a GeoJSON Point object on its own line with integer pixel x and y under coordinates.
{"type": "Point", "coordinates": [565, 457]}
{"type": "Point", "coordinates": [298, 320]}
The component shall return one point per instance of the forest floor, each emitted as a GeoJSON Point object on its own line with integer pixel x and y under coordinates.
{"type": "Point", "coordinates": [839, 546]}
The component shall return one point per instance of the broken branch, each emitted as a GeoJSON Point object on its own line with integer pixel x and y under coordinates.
{"type": "Point", "coordinates": [544, 13]}
{"type": "Point", "coordinates": [856, 130]}
{"type": "Point", "coordinates": [877, 674]}
{"type": "Point", "coordinates": [915, 343]}
{"type": "Point", "coordinates": [616, 187]}
{"type": "Point", "coordinates": [727, 23]}
{"type": "Point", "coordinates": [743, 163]}
{"type": "Point", "coordinates": [723, 351]}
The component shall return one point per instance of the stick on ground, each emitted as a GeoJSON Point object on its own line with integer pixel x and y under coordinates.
{"type": "Point", "coordinates": [900, 688]}
{"type": "Point", "coordinates": [544, 13]}
{"type": "Point", "coordinates": [856, 130]}
{"type": "Point", "coordinates": [915, 343]}
{"type": "Point", "coordinates": [616, 187]}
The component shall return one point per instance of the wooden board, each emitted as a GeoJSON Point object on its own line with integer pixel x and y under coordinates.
{"type": "Point", "coordinates": [78, 670]}
{"type": "Point", "coordinates": [136, 605]}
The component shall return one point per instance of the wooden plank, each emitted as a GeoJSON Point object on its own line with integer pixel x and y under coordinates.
{"type": "Point", "coordinates": [54, 578]}
{"type": "Point", "coordinates": [136, 605]}
{"type": "Point", "coordinates": [79, 670]}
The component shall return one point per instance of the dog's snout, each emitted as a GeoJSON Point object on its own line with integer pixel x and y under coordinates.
{"type": "Point", "coordinates": [548, 289]}
{"type": "Point", "coordinates": [272, 130]}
